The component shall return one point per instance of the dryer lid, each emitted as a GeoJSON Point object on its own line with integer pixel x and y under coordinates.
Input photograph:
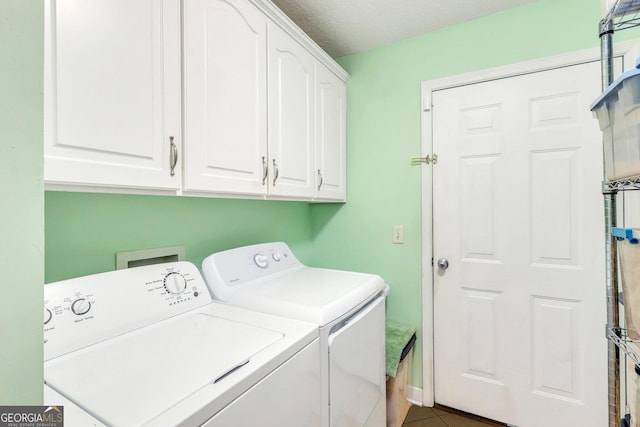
{"type": "Point", "coordinates": [131, 379]}
{"type": "Point", "coordinates": [314, 295]}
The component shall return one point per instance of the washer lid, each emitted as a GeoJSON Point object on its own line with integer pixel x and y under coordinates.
{"type": "Point", "coordinates": [314, 295]}
{"type": "Point", "coordinates": [131, 379]}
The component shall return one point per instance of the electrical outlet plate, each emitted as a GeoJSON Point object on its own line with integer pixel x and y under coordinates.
{"type": "Point", "coordinates": [397, 234]}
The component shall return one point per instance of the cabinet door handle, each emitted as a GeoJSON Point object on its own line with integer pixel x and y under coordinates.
{"type": "Point", "coordinates": [265, 170]}
{"type": "Point", "coordinates": [173, 156]}
{"type": "Point", "coordinates": [321, 179]}
{"type": "Point", "coordinates": [276, 172]}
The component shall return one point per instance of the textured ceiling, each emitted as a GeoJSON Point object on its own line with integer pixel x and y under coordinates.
{"type": "Point", "coordinates": [342, 27]}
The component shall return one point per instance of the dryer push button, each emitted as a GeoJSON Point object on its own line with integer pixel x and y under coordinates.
{"type": "Point", "coordinates": [261, 260]}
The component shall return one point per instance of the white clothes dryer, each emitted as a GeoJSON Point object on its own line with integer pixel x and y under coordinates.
{"type": "Point", "coordinates": [148, 346]}
{"type": "Point", "coordinates": [348, 308]}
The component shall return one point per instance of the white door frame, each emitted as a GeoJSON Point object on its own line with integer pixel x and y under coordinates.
{"type": "Point", "coordinates": [629, 50]}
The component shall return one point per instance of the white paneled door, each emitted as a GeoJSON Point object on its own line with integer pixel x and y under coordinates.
{"type": "Point", "coordinates": [519, 314]}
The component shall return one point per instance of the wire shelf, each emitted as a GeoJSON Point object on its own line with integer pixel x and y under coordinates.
{"type": "Point", "coordinates": [630, 183]}
{"type": "Point", "coordinates": [619, 337]}
{"type": "Point", "coordinates": [623, 14]}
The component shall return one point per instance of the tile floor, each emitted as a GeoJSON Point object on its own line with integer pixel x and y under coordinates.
{"type": "Point", "coordinates": [440, 416]}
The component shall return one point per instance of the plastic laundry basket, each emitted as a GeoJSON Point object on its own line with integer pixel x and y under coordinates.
{"type": "Point", "coordinates": [629, 255]}
{"type": "Point", "coordinates": [618, 114]}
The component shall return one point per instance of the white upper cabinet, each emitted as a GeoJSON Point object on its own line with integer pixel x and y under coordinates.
{"type": "Point", "coordinates": [112, 93]}
{"type": "Point", "coordinates": [291, 109]}
{"type": "Point", "coordinates": [330, 136]}
{"type": "Point", "coordinates": [225, 97]}
{"type": "Point", "coordinates": [197, 97]}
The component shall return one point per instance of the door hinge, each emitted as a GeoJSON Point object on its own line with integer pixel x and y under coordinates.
{"type": "Point", "coordinates": [426, 159]}
{"type": "Point", "coordinates": [431, 261]}
{"type": "Point", "coordinates": [426, 103]}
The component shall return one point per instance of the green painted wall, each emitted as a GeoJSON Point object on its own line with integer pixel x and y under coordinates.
{"type": "Point", "coordinates": [21, 202]}
{"type": "Point", "coordinates": [383, 133]}
{"type": "Point", "coordinates": [85, 230]}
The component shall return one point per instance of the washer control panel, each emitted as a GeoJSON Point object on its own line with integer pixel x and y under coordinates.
{"type": "Point", "coordinates": [83, 311]}
{"type": "Point", "coordinates": [226, 271]}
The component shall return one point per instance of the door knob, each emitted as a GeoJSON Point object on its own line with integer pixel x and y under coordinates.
{"type": "Point", "coordinates": [443, 263]}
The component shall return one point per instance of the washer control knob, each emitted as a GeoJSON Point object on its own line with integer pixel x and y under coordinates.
{"type": "Point", "coordinates": [175, 283]}
{"type": "Point", "coordinates": [80, 306]}
{"type": "Point", "coordinates": [261, 260]}
{"type": "Point", "coordinates": [47, 315]}
{"type": "Point", "coordinates": [276, 256]}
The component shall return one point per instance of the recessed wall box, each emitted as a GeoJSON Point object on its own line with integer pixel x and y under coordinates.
{"type": "Point", "coordinates": [142, 257]}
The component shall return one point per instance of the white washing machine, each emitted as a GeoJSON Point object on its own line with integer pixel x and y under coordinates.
{"type": "Point", "coordinates": [148, 346]}
{"type": "Point", "coordinates": [348, 308]}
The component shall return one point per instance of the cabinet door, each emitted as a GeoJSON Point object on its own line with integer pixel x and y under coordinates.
{"type": "Point", "coordinates": [330, 136]}
{"type": "Point", "coordinates": [290, 117]}
{"type": "Point", "coordinates": [112, 93]}
{"type": "Point", "coordinates": [225, 97]}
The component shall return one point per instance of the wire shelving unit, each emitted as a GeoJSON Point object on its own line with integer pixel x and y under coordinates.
{"type": "Point", "coordinates": [622, 15]}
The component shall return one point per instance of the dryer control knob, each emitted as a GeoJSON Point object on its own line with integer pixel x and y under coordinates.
{"type": "Point", "coordinates": [47, 315]}
{"type": "Point", "coordinates": [261, 260]}
{"type": "Point", "coordinates": [175, 283]}
{"type": "Point", "coordinates": [276, 256]}
{"type": "Point", "coordinates": [80, 306]}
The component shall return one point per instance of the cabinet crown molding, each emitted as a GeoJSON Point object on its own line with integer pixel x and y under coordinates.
{"type": "Point", "coordinates": [283, 21]}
